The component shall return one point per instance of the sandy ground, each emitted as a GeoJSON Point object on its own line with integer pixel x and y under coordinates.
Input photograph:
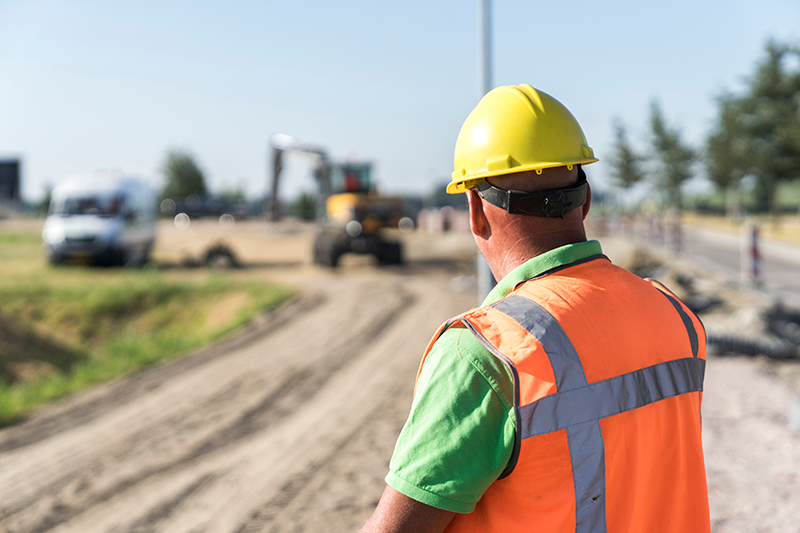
{"type": "Point", "coordinates": [288, 426]}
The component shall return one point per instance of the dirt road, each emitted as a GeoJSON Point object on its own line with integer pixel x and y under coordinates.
{"type": "Point", "coordinates": [289, 425]}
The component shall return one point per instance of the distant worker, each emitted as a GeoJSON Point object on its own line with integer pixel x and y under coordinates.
{"type": "Point", "coordinates": [570, 401]}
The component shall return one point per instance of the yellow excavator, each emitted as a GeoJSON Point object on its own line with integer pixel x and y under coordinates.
{"type": "Point", "coordinates": [351, 213]}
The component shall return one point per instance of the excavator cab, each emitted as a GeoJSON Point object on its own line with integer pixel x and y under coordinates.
{"type": "Point", "coordinates": [351, 178]}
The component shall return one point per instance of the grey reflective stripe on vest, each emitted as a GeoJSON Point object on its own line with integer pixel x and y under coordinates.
{"type": "Point", "coordinates": [567, 367]}
{"type": "Point", "coordinates": [586, 449]}
{"type": "Point", "coordinates": [612, 396]}
{"type": "Point", "coordinates": [588, 457]}
{"type": "Point", "coordinates": [578, 406]}
{"type": "Point", "coordinates": [686, 320]}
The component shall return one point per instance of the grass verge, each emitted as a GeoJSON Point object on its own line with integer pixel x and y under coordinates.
{"type": "Point", "coordinates": [784, 228]}
{"type": "Point", "coordinates": [62, 329]}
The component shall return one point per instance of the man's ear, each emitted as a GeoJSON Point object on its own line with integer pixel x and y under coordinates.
{"type": "Point", "coordinates": [588, 203]}
{"type": "Point", "coordinates": [478, 222]}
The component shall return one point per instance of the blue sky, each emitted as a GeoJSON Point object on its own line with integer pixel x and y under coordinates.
{"type": "Point", "coordinates": [90, 85]}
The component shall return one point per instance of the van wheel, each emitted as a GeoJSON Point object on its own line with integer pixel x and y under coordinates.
{"type": "Point", "coordinates": [148, 250]}
{"type": "Point", "coordinates": [139, 259]}
{"type": "Point", "coordinates": [55, 259]}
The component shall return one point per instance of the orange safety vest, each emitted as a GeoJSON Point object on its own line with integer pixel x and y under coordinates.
{"type": "Point", "coordinates": [608, 372]}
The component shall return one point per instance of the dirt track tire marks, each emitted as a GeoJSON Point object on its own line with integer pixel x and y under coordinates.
{"type": "Point", "coordinates": [339, 492]}
{"type": "Point", "coordinates": [105, 398]}
{"type": "Point", "coordinates": [228, 441]}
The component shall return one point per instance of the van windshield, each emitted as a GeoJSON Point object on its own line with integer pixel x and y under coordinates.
{"type": "Point", "coordinates": [104, 206]}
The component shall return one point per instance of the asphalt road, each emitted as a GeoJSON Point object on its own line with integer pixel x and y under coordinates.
{"type": "Point", "coordinates": [721, 251]}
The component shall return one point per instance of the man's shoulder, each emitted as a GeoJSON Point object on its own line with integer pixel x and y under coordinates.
{"type": "Point", "coordinates": [458, 351]}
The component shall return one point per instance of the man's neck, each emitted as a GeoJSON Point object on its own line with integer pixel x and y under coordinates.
{"type": "Point", "coordinates": [523, 249]}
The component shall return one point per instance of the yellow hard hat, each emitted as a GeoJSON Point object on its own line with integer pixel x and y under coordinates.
{"type": "Point", "coordinates": [514, 129]}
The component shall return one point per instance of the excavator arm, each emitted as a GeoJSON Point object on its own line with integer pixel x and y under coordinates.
{"type": "Point", "coordinates": [354, 213]}
{"type": "Point", "coordinates": [282, 144]}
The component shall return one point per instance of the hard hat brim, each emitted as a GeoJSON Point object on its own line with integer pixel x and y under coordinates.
{"type": "Point", "coordinates": [462, 185]}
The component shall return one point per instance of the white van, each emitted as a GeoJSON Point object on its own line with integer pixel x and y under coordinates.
{"type": "Point", "coordinates": [101, 220]}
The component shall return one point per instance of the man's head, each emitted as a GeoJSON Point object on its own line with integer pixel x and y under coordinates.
{"type": "Point", "coordinates": [515, 129]}
{"type": "Point", "coordinates": [518, 157]}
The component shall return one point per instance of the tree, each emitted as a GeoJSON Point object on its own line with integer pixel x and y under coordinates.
{"type": "Point", "coordinates": [726, 157]}
{"type": "Point", "coordinates": [182, 176]}
{"type": "Point", "coordinates": [674, 159]}
{"type": "Point", "coordinates": [233, 195]}
{"type": "Point", "coordinates": [758, 132]}
{"type": "Point", "coordinates": [772, 121]}
{"type": "Point", "coordinates": [625, 163]}
{"type": "Point", "coordinates": [305, 206]}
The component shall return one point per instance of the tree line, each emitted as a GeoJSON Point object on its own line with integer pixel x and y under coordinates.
{"type": "Point", "coordinates": [755, 139]}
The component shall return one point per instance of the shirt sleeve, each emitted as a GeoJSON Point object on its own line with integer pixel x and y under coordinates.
{"type": "Point", "coordinates": [459, 436]}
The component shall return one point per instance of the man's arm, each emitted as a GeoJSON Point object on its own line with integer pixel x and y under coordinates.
{"type": "Point", "coordinates": [446, 456]}
{"type": "Point", "coordinates": [397, 513]}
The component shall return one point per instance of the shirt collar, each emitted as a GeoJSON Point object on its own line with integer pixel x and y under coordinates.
{"type": "Point", "coordinates": [540, 264]}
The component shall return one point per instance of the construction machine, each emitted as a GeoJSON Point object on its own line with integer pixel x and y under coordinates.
{"type": "Point", "coordinates": [352, 215]}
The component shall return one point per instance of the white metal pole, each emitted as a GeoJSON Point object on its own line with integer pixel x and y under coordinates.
{"type": "Point", "coordinates": [486, 280]}
{"type": "Point", "coordinates": [485, 48]}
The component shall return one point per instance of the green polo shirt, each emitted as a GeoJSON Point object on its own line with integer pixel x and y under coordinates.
{"type": "Point", "coordinates": [459, 436]}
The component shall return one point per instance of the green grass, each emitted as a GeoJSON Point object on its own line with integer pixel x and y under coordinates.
{"type": "Point", "coordinates": [62, 329]}
{"type": "Point", "coordinates": [20, 238]}
{"type": "Point", "coordinates": [787, 199]}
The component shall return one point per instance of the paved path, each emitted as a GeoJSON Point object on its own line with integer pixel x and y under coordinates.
{"type": "Point", "coordinates": [721, 251]}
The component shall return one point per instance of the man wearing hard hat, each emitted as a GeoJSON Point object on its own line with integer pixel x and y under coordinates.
{"type": "Point", "coordinates": [570, 401]}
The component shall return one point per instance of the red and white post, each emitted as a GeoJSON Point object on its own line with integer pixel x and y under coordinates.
{"type": "Point", "coordinates": [751, 253]}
